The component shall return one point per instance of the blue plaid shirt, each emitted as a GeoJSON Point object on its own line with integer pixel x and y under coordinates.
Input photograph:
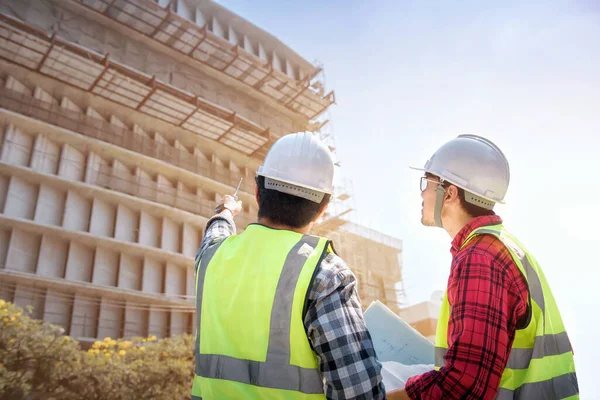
{"type": "Point", "coordinates": [334, 324]}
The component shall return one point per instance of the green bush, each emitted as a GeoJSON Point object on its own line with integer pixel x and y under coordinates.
{"type": "Point", "coordinates": [37, 361]}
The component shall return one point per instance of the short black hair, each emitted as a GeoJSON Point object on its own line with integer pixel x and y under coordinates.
{"type": "Point", "coordinates": [471, 209]}
{"type": "Point", "coordinates": [286, 209]}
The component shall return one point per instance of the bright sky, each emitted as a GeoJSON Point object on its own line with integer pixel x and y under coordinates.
{"type": "Point", "coordinates": [411, 75]}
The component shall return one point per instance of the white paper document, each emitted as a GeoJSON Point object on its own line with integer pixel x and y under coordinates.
{"type": "Point", "coordinates": [401, 349]}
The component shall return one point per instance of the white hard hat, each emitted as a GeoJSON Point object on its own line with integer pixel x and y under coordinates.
{"type": "Point", "coordinates": [474, 164]}
{"type": "Point", "coordinates": [301, 165]}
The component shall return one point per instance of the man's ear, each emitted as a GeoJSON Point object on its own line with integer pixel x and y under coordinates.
{"type": "Point", "coordinates": [321, 213]}
{"type": "Point", "coordinates": [451, 194]}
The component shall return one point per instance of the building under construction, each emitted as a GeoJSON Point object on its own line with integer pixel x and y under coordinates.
{"type": "Point", "coordinates": [122, 122]}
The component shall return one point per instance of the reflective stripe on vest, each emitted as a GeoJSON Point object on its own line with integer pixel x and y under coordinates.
{"type": "Point", "coordinates": [544, 346]}
{"type": "Point", "coordinates": [276, 371]}
{"type": "Point", "coordinates": [540, 364]}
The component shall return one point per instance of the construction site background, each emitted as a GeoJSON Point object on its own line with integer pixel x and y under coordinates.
{"type": "Point", "coordinates": [122, 123]}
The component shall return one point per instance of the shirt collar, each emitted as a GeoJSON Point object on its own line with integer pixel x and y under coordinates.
{"type": "Point", "coordinates": [466, 230]}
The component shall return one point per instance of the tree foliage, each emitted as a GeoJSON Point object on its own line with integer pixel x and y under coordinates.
{"type": "Point", "coordinates": [38, 362]}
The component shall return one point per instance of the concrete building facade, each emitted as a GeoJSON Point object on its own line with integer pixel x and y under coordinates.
{"type": "Point", "coordinates": [122, 123]}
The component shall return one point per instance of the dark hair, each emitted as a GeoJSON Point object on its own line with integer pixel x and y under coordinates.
{"type": "Point", "coordinates": [286, 209]}
{"type": "Point", "coordinates": [471, 209]}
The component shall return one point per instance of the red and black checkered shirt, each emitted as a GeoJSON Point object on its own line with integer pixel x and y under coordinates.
{"type": "Point", "coordinates": [488, 297]}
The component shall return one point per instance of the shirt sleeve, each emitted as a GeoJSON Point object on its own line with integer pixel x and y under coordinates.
{"type": "Point", "coordinates": [218, 228]}
{"type": "Point", "coordinates": [337, 332]}
{"type": "Point", "coordinates": [481, 329]}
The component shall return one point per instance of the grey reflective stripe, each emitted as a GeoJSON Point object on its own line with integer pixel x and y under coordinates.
{"type": "Point", "coordinates": [281, 314]}
{"type": "Point", "coordinates": [544, 346]}
{"type": "Point", "coordinates": [270, 375]}
{"type": "Point", "coordinates": [440, 352]}
{"type": "Point", "coordinates": [559, 387]}
{"type": "Point", "coordinates": [276, 372]}
{"type": "Point", "coordinates": [201, 273]}
{"type": "Point", "coordinates": [196, 398]}
{"type": "Point", "coordinates": [533, 280]}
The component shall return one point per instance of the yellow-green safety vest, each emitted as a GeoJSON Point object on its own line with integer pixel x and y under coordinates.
{"type": "Point", "coordinates": [540, 364]}
{"type": "Point", "coordinates": [250, 295]}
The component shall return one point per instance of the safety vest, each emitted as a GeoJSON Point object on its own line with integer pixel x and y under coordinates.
{"type": "Point", "coordinates": [540, 364]}
{"type": "Point", "coordinates": [251, 342]}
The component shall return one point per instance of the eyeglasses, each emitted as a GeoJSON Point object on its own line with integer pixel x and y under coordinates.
{"type": "Point", "coordinates": [425, 181]}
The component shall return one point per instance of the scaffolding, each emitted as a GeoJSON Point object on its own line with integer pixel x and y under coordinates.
{"type": "Point", "coordinates": [199, 43]}
{"type": "Point", "coordinates": [54, 114]}
{"type": "Point", "coordinates": [69, 63]}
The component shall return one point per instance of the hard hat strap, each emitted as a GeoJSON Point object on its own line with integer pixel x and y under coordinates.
{"type": "Point", "coordinates": [439, 201]}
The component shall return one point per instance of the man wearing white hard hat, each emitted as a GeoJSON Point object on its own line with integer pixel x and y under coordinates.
{"type": "Point", "coordinates": [278, 313]}
{"type": "Point", "coordinates": [500, 334]}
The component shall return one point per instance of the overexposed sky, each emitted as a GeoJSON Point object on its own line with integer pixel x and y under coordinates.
{"type": "Point", "coordinates": [410, 75]}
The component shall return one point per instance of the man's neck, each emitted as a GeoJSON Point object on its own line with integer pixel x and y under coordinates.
{"type": "Point", "coordinates": [454, 225]}
{"type": "Point", "coordinates": [304, 230]}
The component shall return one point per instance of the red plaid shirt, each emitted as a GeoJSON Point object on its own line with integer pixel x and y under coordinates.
{"type": "Point", "coordinates": [488, 297]}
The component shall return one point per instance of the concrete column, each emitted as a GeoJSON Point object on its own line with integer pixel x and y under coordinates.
{"type": "Point", "coordinates": [53, 257]}
{"type": "Point", "coordinates": [136, 321]}
{"type": "Point", "coordinates": [200, 18]}
{"type": "Point", "coordinates": [171, 232]}
{"type": "Point", "coordinates": [15, 85]}
{"type": "Point", "coordinates": [21, 199]}
{"type": "Point", "coordinates": [42, 95]}
{"type": "Point", "coordinates": [117, 122]}
{"type": "Point", "coordinates": [23, 251]}
{"type": "Point", "coordinates": [50, 206]}
{"type": "Point", "coordinates": [17, 147]}
{"type": "Point", "coordinates": [27, 296]}
{"type": "Point", "coordinates": [190, 241]}
{"type": "Point", "coordinates": [84, 323]}
{"type": "Point", "coordinates": [106, 267]}
{"type": "Point", "coordinates": [72, 163]}
{"type": "Point", "coordinates": [276, 62]}
{"type": "Point", "coordinates": [69, 105]}
{"type": "Point", "coordinates": [290, 70]}
{"type": "Point", "coordinates": [57, 309]}
{"type": "Point", "coordinates": [146, 186]}
{"type": "Point", "coordinates": [79, 263]}
{"type": "Point", "coordinates": [217, 28]}
{"type": "Point", "coordinates": [130, 272]}
{"type": "Point", "coordinates": [77, 212]}
{"type": "Point", "coordinates": [126, 225]}
{"type": "Point", "coordinates": [4, 241]}
{"type": "Point", "coordinates": [4, 181]}
{"type": "Point", "coordinates": [102, 221]}
{"type": "Point", "coordinates": [249, 47]}
{"type": "Point", "coordinates": [110, 321]}
{"type": "Point", "coordinates": [90, 112]}
{"type": "Point", "coordinates": [185, 10]}
{"type": "Point", "coordinates": [46, 155]}
{"type": "Point", "coordinates": [122, 178]}
{"type": "Point", "coordinates": [158, 323]}
{"type": "Point", "coordinates": [190, 282]}
{"type": "Point", "coordinates": [185, 198]}
{"type": "Point", "coordinates": [175, 280]}
{"type": "Point", "coordinates": [153, 277]}
{"type": "Point", "coordinates": [166, 191]}
{"type": "Point", "coordinates": [97, 170]}
{"type": "Point", "coordinates": [179, 322]}
{"type": "Point", "coordinates": [150, 230]}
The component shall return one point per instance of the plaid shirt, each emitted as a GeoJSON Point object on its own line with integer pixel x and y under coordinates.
{"type": "Point", "coordinates": [488, 298]}
{"type": "Point", "coordinates": [334, 324]}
